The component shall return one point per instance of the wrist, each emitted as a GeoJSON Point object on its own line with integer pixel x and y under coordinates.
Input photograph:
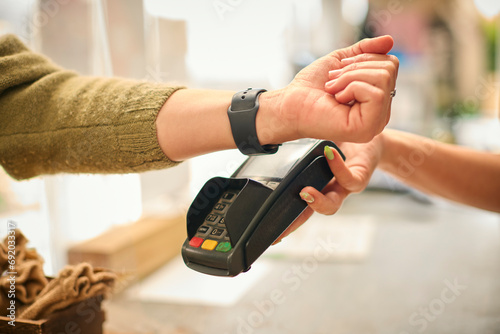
{"type": "Point", "coordinates": [190, 114]}
{"type": "Point", "coordinates": [271, 125]}
{"type": "Point", "coordinates": [387, 160]}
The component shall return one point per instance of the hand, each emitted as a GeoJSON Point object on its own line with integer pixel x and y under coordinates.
{"type": "Point", "coordinates": [308, 107]}
{"type": "Point", "coordinates": [350, 176]}
{"type": "Point", "coordinates": [354, 107]}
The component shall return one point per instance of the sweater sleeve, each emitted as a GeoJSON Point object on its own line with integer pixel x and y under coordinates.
{"type": "Point", "coordinates": [56, 121]}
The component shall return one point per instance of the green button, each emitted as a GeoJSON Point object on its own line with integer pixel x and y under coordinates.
{"type": "Point", "coordinates": [223, 247]}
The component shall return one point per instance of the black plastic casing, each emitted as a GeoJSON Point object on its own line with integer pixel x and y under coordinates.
{"type": "Point", "coordinates": [258, 215]}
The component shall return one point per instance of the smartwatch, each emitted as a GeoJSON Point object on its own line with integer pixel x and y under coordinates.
{"type": "Point", "coordinates": [242, 114]}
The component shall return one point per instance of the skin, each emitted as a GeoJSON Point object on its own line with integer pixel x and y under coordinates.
{"type": "Point", "coordinates": [456, 173]}
{"type": "Point", "coordinates": [343, 97]}
{"type": "Point", "coordinates": [351, 176]}
{"type": "Point", "coordinates": [351, 110]}
{"type": "Point", "coordinates": [356, 76]}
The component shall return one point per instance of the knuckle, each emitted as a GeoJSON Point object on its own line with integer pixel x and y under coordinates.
{"type": "Point", "coordinates": [356, 85]}
{"type": "Point", "coordinates": [395, 61]}
{"type": "Point", "coordinates": [379, 95]}
{"type": "Point", "coordinates": [385, 77]}
{"type": "Point", "coordinates": [330, 212]}
{"type": "Point", "coordinates": [348, 183]}
{"type": "Point", "coordinates": [330, 209]}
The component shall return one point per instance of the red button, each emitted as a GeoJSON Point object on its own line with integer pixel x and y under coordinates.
{"type": "Point", "coordinates": [195, 242]}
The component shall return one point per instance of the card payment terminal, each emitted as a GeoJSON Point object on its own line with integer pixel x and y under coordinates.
{"type": "Point", "coordinates": [232, 221]}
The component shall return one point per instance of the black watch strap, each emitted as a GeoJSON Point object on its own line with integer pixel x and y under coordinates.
{"type": "Point", "coordinates": [242, 114]}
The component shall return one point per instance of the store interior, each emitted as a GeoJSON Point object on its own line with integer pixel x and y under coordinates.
{"type": "Point", "coordinates": [393, 259]}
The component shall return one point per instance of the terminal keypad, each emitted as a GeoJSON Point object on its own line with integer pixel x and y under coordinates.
{"type": "Point", "coordinates": [212, 234]}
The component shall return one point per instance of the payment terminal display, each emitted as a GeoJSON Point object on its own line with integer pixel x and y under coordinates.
{"type": "Point", "coordinates": [232, 221]}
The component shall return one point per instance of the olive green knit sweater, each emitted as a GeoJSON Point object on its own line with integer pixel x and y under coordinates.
{"type": "Point", "coordinates": [56, 121]}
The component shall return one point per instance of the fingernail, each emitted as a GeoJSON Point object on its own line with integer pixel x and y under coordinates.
{"type": "Point", "coordinates": [330, 83]}
{"type": "Point", "coordinates": [347, 61]}
{"type": "Point", "coordinates": [329, 153]}
{"type": "Point", "coordinates": [306, 197]}
{"type": "Point", "coordinates": [335, 74]}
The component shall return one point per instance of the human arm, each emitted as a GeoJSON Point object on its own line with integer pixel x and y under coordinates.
{"type": "Point", "coordinates": [54, 120]}
{"type": "Point", "coordinates": [304, 108]}
{"type": "Point", "coordinates": [456, 173]}
{"type": "Point", "coordinates": [356, 76]}
{"type": "Point", "coordinates": [453, 172]}
{"type": "Point", "coordinates": [450, 171]}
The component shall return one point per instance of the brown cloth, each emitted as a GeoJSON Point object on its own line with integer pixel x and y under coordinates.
{"type": "Point", "coordinates": [29, 281]}
{"type": "Point", "coordinates": [35, 296]}
{"type": "Point", "coordinates": [26, 272]}
{"type": "Point", "coordinates": [21, 252]}
{"type": "Point", "coordinates": [73, 284]}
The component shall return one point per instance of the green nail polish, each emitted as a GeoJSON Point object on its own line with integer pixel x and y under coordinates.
{"type": "Point", "coordinates": [306, 197]}
{"type": "Point", "coordinates": [329, 153]}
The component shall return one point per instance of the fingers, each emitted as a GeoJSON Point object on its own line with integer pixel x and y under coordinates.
{"type": "Point", "coordinates": [379, 45]}
{"type": "Point", "coordinates": [326, 204]}
{"type": "Point", "coordinates": [343, 174]}
{"type": "Point", "coordinates": [361, 92]}
{"type": "Point", "coordinates": [376, 77]}
{"type": "Point", "coordinates": [370, 109]}
{"type": "Point", "coordinates": [378, 70]}
{"type": "Point", "coordinates": [367, 79]}
{"type": "Point", "coordinates": [353, 62]}
{"type": "Point", "coordinates": [331, 199]}
{"type": "Point", "coordinates": [372, 65]}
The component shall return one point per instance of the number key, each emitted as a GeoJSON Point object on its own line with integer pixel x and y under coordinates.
{"type": "Point", "coordinates": [219, 207]}
{"type": "Point", "coordinates": [228, 196]}
{"type": "Point", "coordinates": [212, 218]}
{"type": "Point", "coordinates": [217, 232]}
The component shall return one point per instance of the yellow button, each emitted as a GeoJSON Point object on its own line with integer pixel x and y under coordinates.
{"type": "Point", "coordinates": [209, 244]}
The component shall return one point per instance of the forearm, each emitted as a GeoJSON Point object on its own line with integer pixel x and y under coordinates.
{"type": "Point", "coordinates": [194, 122]}
{"type": "Point", "coordinates": [56, 121]}
{"type": "Point", "coordinates": [456, 173]}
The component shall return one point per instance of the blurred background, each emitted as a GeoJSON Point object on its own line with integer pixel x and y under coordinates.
{"type": "Point", "coordinates": [448, 89]}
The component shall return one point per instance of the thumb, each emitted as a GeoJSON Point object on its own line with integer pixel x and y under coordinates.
{"type": "Point", "coordinates": [378, 45]}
